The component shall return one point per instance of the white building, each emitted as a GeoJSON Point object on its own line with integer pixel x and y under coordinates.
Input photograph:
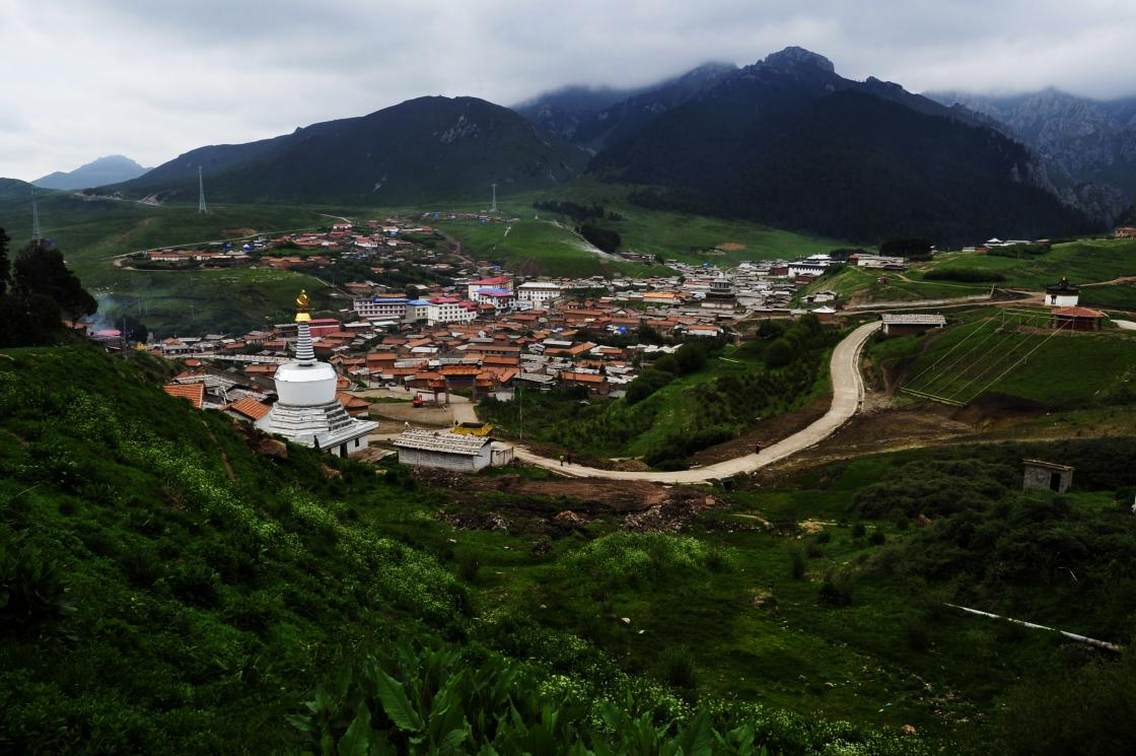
{"type": "Point", "coordinates": [450, 451]}
{"type": "Point", "coordinates": [538, 292]}
{"type": "Point", "coordinates": [497, 282]}
{"type": "Point", "coordinates": [501, 299]}
{"type": "Point", "coordinates": [381, 308]}
{"type": "Point", "coordinates": [307, 411]}
{"type": "Point", "coordinates": [806, 269]}
{"type": "Point", "coordinates": [1062, 294]}
{"type": "Point", "coordinates": [450, 310]}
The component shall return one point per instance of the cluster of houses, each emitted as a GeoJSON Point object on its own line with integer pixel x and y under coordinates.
{"type": "Point", "coordinates": [391, 241]}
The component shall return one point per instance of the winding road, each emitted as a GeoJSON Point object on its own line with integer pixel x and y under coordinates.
{"type": "Point", "coordinates": [847, 394]}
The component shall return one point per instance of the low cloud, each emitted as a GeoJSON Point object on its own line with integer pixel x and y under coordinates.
{"type": "Point", "coordinates": [152, 80]}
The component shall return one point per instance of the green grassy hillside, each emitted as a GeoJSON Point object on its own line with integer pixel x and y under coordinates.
{"type": "Point", "coordinates": [165, 588]}
{"type": "Point", "coordinates": [1082, 262]}
{"type": "Point", "coordinates": [982, 354]}
{"type": "Point", "coordinates": [539, 247]}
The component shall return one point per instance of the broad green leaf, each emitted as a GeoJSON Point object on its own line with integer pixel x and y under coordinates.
{"type": "Point", "coordinates": [357, 740]}
{"type": "Point", "coordinates": [395, 703]}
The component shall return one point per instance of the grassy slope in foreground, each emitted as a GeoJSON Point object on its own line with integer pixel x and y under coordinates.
{"type": "Point", "coordinates": [168, 590]}
{"type": "Point", "coordinates": [723, 610]}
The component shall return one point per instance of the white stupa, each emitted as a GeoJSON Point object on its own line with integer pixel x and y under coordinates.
{"type": "Point", "coordinates": [306, 410]}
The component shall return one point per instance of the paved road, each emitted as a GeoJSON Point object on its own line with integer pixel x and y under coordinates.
{"type": "Point", "coordinates": [847, 393]}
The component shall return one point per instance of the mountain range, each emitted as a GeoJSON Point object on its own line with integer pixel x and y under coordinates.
{"type": "Point", "coordinates": [785, 141]}
{"type": "Point", "coordinates": [594, 118]}
{"type": "Point", "coordinates": [110, 169]}
{"type": "Point", "coordinates": [1087, 146]}
{"type": "Point", "coordinates": [424, 149]}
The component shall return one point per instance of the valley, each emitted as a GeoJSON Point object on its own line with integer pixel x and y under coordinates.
{"type": "Point", "coordinates": [705, 400]}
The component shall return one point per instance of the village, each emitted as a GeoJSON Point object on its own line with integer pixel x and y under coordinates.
{"type": "Point", "coordinates": [409, 358]}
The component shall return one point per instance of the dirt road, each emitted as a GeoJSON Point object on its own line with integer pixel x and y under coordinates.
{"type": "Point", "coordinates": [847, 393]}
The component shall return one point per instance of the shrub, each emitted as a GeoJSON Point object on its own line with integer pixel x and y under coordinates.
{"type": "Point", "coordinates": [779, 353]}
{"type": "Point", "coordinates": [469, 569]}
{"type": "Point", "coordinates": [859, 530]}
{"type": "Point", "coordinates": [917, 635]}
{"type": "Point", "coordinates": [798, 564]}
{"type": "Point", "coordinates": [877, 538]}
{"type": "Point", "coordinates": [678, 668]}
{"type": "Point", "coordinates": [605, 239]}
{"type": "Point", "coordinates": [690, 358]}
{"type": "Point", "coordinates": [31, 589]}
{"type": "Point", "coordinates": [648, 382]}
{"type": "Point", "coordinates": [196, 584]}
{"type": "Point", "coordinates": [838, 588]}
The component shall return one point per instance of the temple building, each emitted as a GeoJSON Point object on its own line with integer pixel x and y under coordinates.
{"type": "Point", "coordinates": [1062, 294]}
{"type": "Point", "coordinates": [307, 410]}
{"type": "Point", "coordinates": [721, 295]}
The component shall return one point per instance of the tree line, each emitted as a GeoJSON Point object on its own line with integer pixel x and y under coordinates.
{"type": "Point", "coordinates": [37, 292]}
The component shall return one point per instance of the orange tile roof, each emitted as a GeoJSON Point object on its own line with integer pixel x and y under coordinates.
{"type": "Point", "coordinates": [250, 408]}
{"type": "Point", "coordinates": [382, 357]}
{"type": "Point", "coordinates": [193, 392]}
{"type": "Point", "coordinates": [582, 377]}
{"type": "Point", "coordinates": [1078, 312]}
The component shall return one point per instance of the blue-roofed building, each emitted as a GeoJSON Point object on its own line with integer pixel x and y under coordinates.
{"type": "Point", "coordinates": [381, 308]}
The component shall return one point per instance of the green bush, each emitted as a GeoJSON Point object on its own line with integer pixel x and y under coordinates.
{"type": "Point", "coordinates": [798, 562]}
{"type": "Point", "coordinates": [838, 588]}
{"type": "Point", "coordinates": [678, 668]}
{"type": "Point", "coordinates": [32, 589]}
{"type": "Point", "coordinates": [1085, 710]}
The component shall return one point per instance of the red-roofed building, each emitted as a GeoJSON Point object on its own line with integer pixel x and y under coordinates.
{"type": "Point", "coordinates": [1077, 319]}
{"type": "Point", "coordinates": [591, 381]}
{"type": "Point", "coordinates": [194, 393]}
{"type": "Point", "coordinates": [355, 406]}
{"type": "Point", "coordinates": [249, 410]}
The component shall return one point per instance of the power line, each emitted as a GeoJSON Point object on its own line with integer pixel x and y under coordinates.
{"type": "Point", "coordinates": [981, 324]}
{"type": "Point", "coordinates": [1023, 359]}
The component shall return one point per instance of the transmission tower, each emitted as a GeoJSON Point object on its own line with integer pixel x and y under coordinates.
{"type": "Point", "coordinates": [494, 208]}
{"type": "Point", "coordinates": [200, 192]}
{"type": "Point", "coordinates": [37, 234]}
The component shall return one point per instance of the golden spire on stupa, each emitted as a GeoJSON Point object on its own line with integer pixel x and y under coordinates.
{"type": "Point", "coordinates": [302, 303]}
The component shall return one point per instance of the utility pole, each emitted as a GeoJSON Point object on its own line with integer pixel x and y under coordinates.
{"type": "Point", "coordinates": [200, 192]}
{"type": "Point", "coordinates": [493, 209]}
{"type": "Point", "coordinates": [521, 411]}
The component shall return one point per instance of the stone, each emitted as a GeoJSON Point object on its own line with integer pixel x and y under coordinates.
{"type": "Point", "coordinates": [271, 447]}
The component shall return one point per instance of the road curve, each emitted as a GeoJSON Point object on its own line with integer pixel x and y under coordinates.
{"type": "Point", "coordinates": [847, 393]}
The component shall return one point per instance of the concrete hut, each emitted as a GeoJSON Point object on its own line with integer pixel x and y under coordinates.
{"type": "Point", "coordinates": [1046, 476]}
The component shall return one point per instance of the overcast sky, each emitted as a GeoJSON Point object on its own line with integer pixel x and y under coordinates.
{"type": "Point", "coordinates": [154, 78]}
